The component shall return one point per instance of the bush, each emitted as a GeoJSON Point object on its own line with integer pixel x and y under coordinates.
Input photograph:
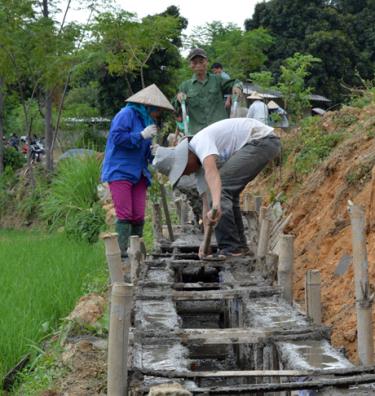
{"type": "Point", "coordinates": [312, 145]}
{"type": "Point", "coordinates": [91, 140]}
{"type": "Point", "coordinates": [13, 158]}
{"type": "Point", "coordinates": [72, 199]}
{"type": "Point", "coordinates": [87, 224]}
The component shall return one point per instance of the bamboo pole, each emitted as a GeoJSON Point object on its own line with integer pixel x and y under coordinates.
{"type": "Point", "coordinates": [264, 234]}
{"type": "Point", "coordinates": [285, 269]}
{"type": "Point", "coordinates": [312, 296]}
{"type": "Point", "coordinates": [262, 213]}
{"type": "Point", "coordinates": [121, 300]}
{"type": "Point", "coordinates": [113, 255]}
{"type": "Point", "coordinates": [362, 287]}
{"type": "Point", "coordinates": [135, 257]}
{"type": "Point", "coordinates": [258, 199]}
{"type": "Point", "coordinates": [246, 202]}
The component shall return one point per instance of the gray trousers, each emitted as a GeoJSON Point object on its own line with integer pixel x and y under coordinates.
{"type": "Point", "coordinates": [235, 174]}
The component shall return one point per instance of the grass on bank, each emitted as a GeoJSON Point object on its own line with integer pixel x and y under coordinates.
{"type": "Point", "coordinates": [42, 278]}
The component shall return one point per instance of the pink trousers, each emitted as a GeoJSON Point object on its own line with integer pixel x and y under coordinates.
{"type": "Point", "coordinates": [129, 199]}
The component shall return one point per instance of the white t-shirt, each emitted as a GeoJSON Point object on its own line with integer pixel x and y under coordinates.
{"type": "Point", "coordinates": [259, 111]}
{"type": "Point", "coordinates": [224, 138]}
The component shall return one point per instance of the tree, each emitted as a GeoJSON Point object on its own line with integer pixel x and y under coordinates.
{"type": "Point", "coordinates": [294, 72]}
{"type": "Point", "coordinates": [127, 45]}
{"type": "Point", "coordinates": [240, 52]}
{"type": "Point", "coordinates": [292, 83]}
{"type": "Point", "coordinates": [316, 27]}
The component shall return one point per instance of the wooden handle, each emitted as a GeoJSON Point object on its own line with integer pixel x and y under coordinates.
{"type": "Point", "coordinates": [208, 234]}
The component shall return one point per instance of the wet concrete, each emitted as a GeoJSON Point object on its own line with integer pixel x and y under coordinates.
{"type": "Point", "coordinates": [162, 323]}
{"type": "Point", "coordinates": [311, 354]}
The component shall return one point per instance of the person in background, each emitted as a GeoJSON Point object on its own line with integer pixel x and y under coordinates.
{"type": "Point", "coordinates": [277, 116]}
{"type": "Point", "coordinates": [225, 157]}
{"type": "Point", "coordinates": [258, 109]}
{"type": "Point", "coordinates": [126, 158]}
{"type": "Point", "coordinates": [204, 93]}
{"type": "Point", "coordinates": [217, 68]}
{"type": "Point", "coordinates": [14, 141]}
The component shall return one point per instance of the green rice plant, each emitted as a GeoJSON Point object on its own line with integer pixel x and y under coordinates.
{"type": "Point", "coordinates": [73, 195]}
{"type": "Point", "coordinates": [42, 278]}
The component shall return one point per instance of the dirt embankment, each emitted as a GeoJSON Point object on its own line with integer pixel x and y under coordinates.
{"type": "Point", "coordinates": [322, 226]}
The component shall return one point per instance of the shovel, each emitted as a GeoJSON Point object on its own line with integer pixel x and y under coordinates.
{"type": "Point", "coordinates": [207, 241]}
{"type": "Point", "coordinates": [185, 117]}
{"type": "Point", "coordinates": [233, 110]}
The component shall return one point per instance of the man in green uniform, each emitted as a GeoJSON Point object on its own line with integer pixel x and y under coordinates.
{"type": "Point", "coordinates": [204, 93]}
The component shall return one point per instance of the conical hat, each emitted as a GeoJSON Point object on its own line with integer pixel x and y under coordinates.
{"type": "Point", "coordinates": [255, 95]}
{"type": "Point", "coordinates": [272, 105]}
{"type": "Point", "coordinates": [151, 96]}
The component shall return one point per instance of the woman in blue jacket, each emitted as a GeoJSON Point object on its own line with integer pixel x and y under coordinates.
{"type": "Point", "coordinates": [126, 159]}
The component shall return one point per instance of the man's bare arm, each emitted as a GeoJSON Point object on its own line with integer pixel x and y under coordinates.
{"type": "Point", "coordinates": [213, 180]}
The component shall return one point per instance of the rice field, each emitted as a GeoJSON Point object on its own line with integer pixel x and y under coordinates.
{"type": "Point", "coordinates": [41, 278]}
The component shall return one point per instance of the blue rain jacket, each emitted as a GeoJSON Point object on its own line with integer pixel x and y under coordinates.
{"type": "Point", "coordinates": [127, 154]}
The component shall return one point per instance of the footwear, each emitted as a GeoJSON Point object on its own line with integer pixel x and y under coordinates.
{"type": "Point", "coordinates": [230, 253]}
{"type": "Point", "coordinates": [123, 229]}
{"type": "Point", "coordinates": [246, 251]}
{"type": "Point", "coordinates": [137, 228]}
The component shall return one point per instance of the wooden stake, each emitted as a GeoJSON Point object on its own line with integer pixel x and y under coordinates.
{"type": "Point", "coordinates": [157, 221]}
{"type": "Point", "coordinates": [166, 212]}
{"type": "Point", "coordinates": [121, 300]}
{"type": "Point", "coordinates": [113, 255]}
{"type": "Point", "coordinates": [362, 287]}
{"type": "Point", "coordinates": [264, 234]}
{"type": "Point", "coordinates": [135, 257]}
{"type": "Point", "coordinates": [285, 269]}
{"type": "Point", "coordinates": [312, 296]}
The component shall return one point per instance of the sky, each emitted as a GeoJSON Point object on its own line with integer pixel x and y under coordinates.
{"type": "Point", "coordinates": [197, 12]}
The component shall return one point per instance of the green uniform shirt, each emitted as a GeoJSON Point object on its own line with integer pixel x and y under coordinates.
{"type": "Point", "coordinates": [205, 100]}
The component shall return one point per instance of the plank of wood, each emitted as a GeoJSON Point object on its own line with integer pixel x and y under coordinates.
{"type": "Point", "coordinates": [224, 294]}
{"type": "Point", "coordinates": [340, 372]}
{"type": "Point", "coordinates": [288, 386]}
{"type": "Point", "coordinates": [251, 335]}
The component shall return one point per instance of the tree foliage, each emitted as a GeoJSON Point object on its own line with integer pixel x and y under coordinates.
{"type": "Point", "coordinates": [240, 52]}
{"type": "Point", "coordinates": [341, 33]}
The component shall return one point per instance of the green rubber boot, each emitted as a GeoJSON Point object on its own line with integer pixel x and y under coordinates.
{"type": "Point", "coordinates": [137, 229]}
{"type": "Point", "coordinates": [123, 229]}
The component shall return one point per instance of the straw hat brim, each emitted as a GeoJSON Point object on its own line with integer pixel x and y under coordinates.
{"type": "Point", "coordinates": [151, 96]}
{"type": "Point", "coordinates": [255, 95]}
{"type": "Point", "coordinates": [172, 161]}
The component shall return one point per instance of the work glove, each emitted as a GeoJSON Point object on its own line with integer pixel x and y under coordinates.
{"type": "Point", "coordinates": [154, 148]}
{"type": "Point", "coordinates": [149, 132]}
{"type": "Point", "coordinates": [237, 91]}
{"type": "Point", "coordinates": [181, 96]}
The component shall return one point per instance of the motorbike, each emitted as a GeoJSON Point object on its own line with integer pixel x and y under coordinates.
{"type": "Point", "coordinates": [37, 151]}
